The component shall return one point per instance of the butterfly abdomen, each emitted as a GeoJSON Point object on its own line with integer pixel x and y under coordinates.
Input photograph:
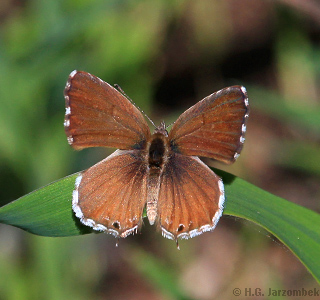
{"type": "Point", "coordinates": [157, 156]}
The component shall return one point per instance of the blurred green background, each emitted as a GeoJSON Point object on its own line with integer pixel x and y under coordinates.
{"type": "Point", "coordinates": [166, 55]}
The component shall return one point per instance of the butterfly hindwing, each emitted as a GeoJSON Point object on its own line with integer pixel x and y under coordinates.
{"type": "Point", "coordinates": [191, 198]}
{"type": "Point", "coordinates": [111, 195]}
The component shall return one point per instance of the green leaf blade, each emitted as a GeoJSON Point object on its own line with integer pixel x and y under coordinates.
{"type": "Point", "coordinates": [296, 226]}
{"type": "Point", "coordinates": [48, 212]}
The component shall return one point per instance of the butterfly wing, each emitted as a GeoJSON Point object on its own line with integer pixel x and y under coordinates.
{"type": "Point", "coordinates": [98, 115]}
{"type": "Point", "coordinates": [214, 127]}
{"type": "Point", "coordinates": [111, 195]}
{"type": "Point", "coordinates": [191, 198]}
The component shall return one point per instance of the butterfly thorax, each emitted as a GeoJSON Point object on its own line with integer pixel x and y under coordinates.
{"type": "Point", "coordinates": [158, 148]}
{"type": "Point", "coordinates": [157, 158]}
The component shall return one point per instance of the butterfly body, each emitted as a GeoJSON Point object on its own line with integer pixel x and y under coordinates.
{"type": "Point", "coordinates": [159, 171]}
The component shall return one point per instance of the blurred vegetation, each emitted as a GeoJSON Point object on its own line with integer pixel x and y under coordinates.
{"type": "Point", "coordinates": [166, 55]}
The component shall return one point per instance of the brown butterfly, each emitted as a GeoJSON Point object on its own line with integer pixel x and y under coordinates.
{"type": "Point", "coordinates": [159, 171]}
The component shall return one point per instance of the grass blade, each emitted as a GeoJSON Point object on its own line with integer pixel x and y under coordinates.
{"type": "Point", "coordinates": [47, 211]}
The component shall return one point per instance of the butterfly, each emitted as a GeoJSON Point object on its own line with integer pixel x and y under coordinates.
{"type": "Point", "coordinates": [158, 171]}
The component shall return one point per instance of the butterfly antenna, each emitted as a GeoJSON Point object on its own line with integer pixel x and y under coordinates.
{"type": "Point", "coordinates": [117, 86]}
{"type": "Point", "coordinates": [167, 126]}
{"type": "Point", "coordinates": [117, 242]}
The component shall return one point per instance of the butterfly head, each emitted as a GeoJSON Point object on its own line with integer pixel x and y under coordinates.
{"type": "Point", "coordinates": [161, 129]}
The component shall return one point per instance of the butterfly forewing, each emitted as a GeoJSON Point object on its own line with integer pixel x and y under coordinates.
{"type": "Point", "coordinates": [111, 195]}
{"type": "Point", "coordinates": [98, 115]}
{"type": "Point", "coordinates": [191, 198]}
{"type": "Point", "coordinates": [214, 127]}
